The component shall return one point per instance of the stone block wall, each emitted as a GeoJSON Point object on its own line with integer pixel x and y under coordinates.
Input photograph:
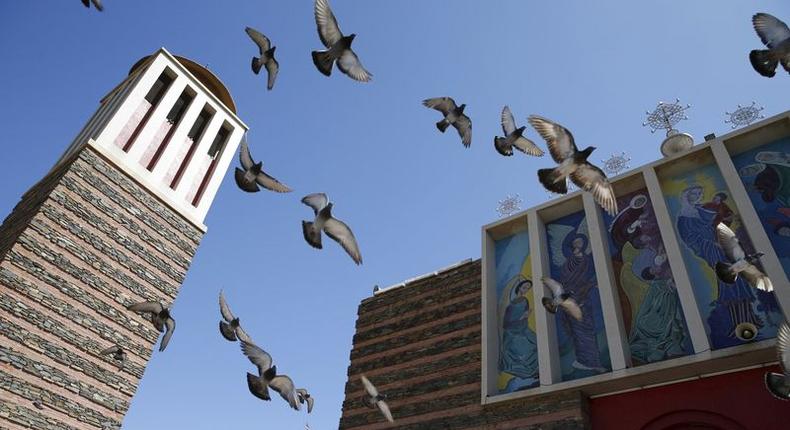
{"type": "Point", "coordinates": [82, 244]}
{"type": "Point", "coordinates": [421, 345]}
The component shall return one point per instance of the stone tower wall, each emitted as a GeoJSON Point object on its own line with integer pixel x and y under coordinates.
{"type": "Point", "coordinates": [81, 245]}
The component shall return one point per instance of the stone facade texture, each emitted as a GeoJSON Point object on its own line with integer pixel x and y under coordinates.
{"type": "Point", "coordinates": [81, 245]}
{"type": "Point", "coordinates": [421, 345]}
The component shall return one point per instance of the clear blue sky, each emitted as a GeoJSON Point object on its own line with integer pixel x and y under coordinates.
{"type": "Point", "coordinates": [415, 198]}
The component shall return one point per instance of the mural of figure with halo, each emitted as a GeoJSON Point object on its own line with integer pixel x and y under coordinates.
{"type": "Point", "coordinates": [582, 344]}
{"type": "Point", "coordinates": [698, 200]}
{"type": "Point", "coordinates": [649, 302]}
{"type": "Point", "coordinates": [518, 350]}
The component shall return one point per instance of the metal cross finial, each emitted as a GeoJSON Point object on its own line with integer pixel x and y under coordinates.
{"type": "Point", "coordinates": [744, 115]}
{"type": "Point", "coordinates": [665, 116]}
{"type": "Point", "coordinates": [509, 205]}
{"type": "Point", "coordinates": [616, 164]}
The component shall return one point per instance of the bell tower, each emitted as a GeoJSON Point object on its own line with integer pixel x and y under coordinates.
{"type": "Point", "coordinates": [116, 221]}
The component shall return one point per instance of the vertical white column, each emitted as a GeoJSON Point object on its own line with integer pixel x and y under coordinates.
{"type": "Point", "coordinates": [127, 107]}
{"type": "Point", "coordinates": [157, 118]}
{"type": "Point", "coordinates": [178, 138]}
{"type": "Point", "coordinates": [226, 156]}
{"type": "Point", "coordinates": [545, 323]}
{"type": "Point", "coordinates": [490, 341]}
{"type": "Point", "coordinates": [753, 225]}
{"type": "Point", "coordinates": [198, 165]}
{"type": "Point", "coordinates": [616, 336]}
{"type": "Point", "coordinates": [694, 322]}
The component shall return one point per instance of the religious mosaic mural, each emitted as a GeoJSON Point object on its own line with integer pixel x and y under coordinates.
{"type": "Point", "coordinates": [697, 201]}
{"type": "Point", "coordinates": [518, 351]}
{"type": "Point", "coordinates": [582, 344]}
{"type": "Point", "coordinates": [651, 310]}
{"type": "Point", "coordinates": [765, 172]}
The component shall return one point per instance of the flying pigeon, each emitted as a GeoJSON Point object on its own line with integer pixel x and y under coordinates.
{"type": "Point", "coordinates": [159, 317]}
{"type": "Point", "coordinates": [572, 163]}
{"type": "Point", "coordinates": [560, 298]}
{"type": "Point", "coordinates": [778, 384]}
{"type": "Point", "coordinates": [252, 175]}
{"type": "Point", "coordinates": [513, 138]}
{"type": "Point", "coordinates": [453, 115]}
{"type": "Point", "coordinates": [338, 46]}
{"type": "Point", "coordinates": [285, 386]}
{"type": "Point", "coordinates": [117, 352]}
{"type": "Point", "coordinates": [375, 400]}
{"type": "Point", "coordinates": [304, 396]}
{"type": "Point", "coordinates": [333, 227]}
{"type": "Point", "coordinates": [739, 263]}
{"type": "Point", "coordinates": [258, 385]}
{"type": "Point", "coordinates": [776, 36]}
{"type": "Point", "coordinates": [267, 56]}
{"type": "Point", "coordinates": [96, 3]}
{"type": "Point", "coordinates": [230, 328]}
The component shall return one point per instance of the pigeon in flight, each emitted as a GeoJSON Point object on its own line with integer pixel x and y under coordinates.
{"type": "Point", "coordinates": [513, 138]}
{"type": "Point", "coordinates": [333, 227]}
{"type": "Point", "coordinates": [259, 385]}
{"type": "Point", "coordinates": [572, 163]}
{"type": "Point", "coordinates": [338, 46]}
{"type": "Point", "coordinates": [96, 3]}
{"type": "Point", "coordinates": [776, 36]}
{"type": "Point", "coordinates": [739, 263]}
{"type": "Point", "coordinates": [252, 175]}
{"type": "Point", "coordinates": [375, 400]}
{"type": "Point", "coordinates": [453, 115]}
{"type": "Point", "coordinates": [159, 317]}
{"type": "Point", "coordinates": [230, 328]}
{"type": "Point", "coordinates": [267, 56]}
{"type": "Point", "coordinates": [118, 354]}
{"type": "Point", "coordinates": [560, 298]}
{"type": "Point", "coordinates": [304, 396]}
{"type": "Point", "coordinates": [778, 384]}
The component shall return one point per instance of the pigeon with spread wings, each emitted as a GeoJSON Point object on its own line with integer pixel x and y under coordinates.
{"type": "Point", "coordinates": [305, 397]}
{"type": "Point", "coordinates": [160, 318]}
{"type": "Point", "coordinates": [230, 328]}
{"type": "Point", "coordinates": [266, 58]}
{"type": "Point", "coordinates": [559, 298]}
{"type": "Point", "coordinates": [513, 138]}
{"type": "Point", "coordinates": [375, 400]}
{"type": "Point", "coordinates": [572, 163]}
{"type": "Point", "coordinates": [338, 46]}
{"type": "Point", "coordinates": [453, 115]}
{"type": "Point", "coordinates": [778, 384]}
{"type": "Point", "coordinates": [333, 227]}
{"type": "Point", "coordinates": [739, 263]}
{"type": "Point", "coordinates": [259, 385]}
{"type": "Point", "coordinates": [252, 176]}
{"type": "Point", "coordinates": [776, 36]}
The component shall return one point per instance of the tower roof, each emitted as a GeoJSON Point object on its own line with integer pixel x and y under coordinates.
{"type": "Point", "coordinates": [204, 75]}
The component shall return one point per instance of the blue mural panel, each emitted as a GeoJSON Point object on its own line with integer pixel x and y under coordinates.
{"type": "Point", "coordinates": [765, 172]}
{"type": "Point", "coordinates": [518, 349]}
{"type": "Point", "coordinates": [652, 314]}
{"type": "Point", "coordinates": [582, 344]}
{"type": "Point", "coordinates": [697, 201]}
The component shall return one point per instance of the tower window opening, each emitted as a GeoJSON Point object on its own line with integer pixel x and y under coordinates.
{"type": "Point", "coordinates": [214, 152]}
{"type": "Point", "coordinates": [147, 106]}
{"type": "Point", "coordinates": [173, 119]}
{"type": "Point", "coordinates": [193, 137]}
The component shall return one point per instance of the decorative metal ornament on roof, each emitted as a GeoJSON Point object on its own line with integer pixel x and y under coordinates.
{"type": "Point", "coordinates": [509, 205]}
{"type": "Point", "coordinates": [744, 115]}
{"type": "Point", "coordinates": [664, 117]}
{"type": "Point", "coordinates": [616, 164]}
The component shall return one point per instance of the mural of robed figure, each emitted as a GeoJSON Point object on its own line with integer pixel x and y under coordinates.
{"type": "Point", "coordinates": [519, 351]}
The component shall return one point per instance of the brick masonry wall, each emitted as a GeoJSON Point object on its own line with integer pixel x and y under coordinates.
{"type": "Point", "coordinates": [421, 345]}
{"type": "Point", "coordinates": [82, 244]}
